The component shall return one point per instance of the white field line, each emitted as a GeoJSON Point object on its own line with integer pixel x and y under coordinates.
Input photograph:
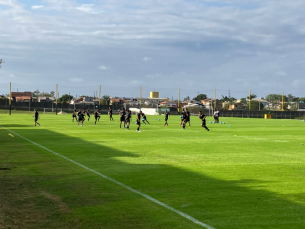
{"type": "Point", "coordinates": [121, 184]}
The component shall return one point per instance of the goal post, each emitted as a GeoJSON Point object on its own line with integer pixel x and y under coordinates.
{"type": "Point", "coordinates": [48, 110]}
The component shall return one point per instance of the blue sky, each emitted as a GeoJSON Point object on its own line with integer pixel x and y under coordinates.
{"type": "Point", "coordinates": [198, 46]}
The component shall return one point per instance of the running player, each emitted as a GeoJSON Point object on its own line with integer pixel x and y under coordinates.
{"type": "Point", "coordinates": [216, 116]}
{"type": "Point", "coordinates": [144, 119]}
{"type": "Point", "coordinates": [80, 117]}
{"type": "Point", "coordinates": [139, 121]}
{"type": "Point", "coordinates": [203, 118]}
{"type": "Point", "coordinates": [128, 117]}
{"type": "Point", "coordinates": [166, 114]}
{"type": "Point", "coordinates": [182, 117]}
{"type": "Point", "coordinates": [36, 114]}
{"type": "Point", "coordinates": [188, 117]}
{"type": "Point", "coordinates": [74, 115]}
{"type": "Point", "coordinates": [110, 114]}
{"type": "Point", "coordinates": [122, 117]}
{"type": "Point", "coordinates": [97, 115]}
{"type": "Point", "coordinates": [88, 114]}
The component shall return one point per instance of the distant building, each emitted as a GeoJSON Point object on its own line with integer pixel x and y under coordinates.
{"type": "Point", "coordinates": [43, 99]}
{"type": "Point", "coordinates": [301, 107]}
{"type": "Point", "coordinates": [263, 101]}
{"type": "Point", "coordinates": [207, 102]}
{"type": "Point", "coordinates": [154, 94]}
{"type": "Point", "coordinates": [22, 96]}
{"type": "Point", "coordinates": [88, 99]}
{"type": "Point", "coordinates": [236, 106]}
{"type": "Point", "coordinates": [168, 104]}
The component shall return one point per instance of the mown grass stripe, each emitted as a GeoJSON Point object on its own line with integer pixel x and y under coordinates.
{"type": "Point", "coordinates": [119, 183]}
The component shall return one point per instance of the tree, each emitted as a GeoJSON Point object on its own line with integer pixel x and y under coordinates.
{"type": "Point", "coordinates": [35, 93]}
{"type": "Point", "coordinates": [65, 98]}
{"type": "Point", "coordinates": [200, 97]}
{"type": "Point", "coordinates": [276, 98]}
{"type": "Point", "coordinates": [290, 98]}
{"type": "Point", "coordinates": [302, 99]}
{"type": "Point", "coordinates": [224, 99]}
{"type": "Point", "coordinates": [52, 93]}
{"type": "Point", "coordinates": [45, 94]}
{"type": "Point", "coordinates": [243, 101]}
{"type": "Point", "coordinates": [1, 61]}
{"type": "Point", "coordinates": [293, 106]}
{"type": "Point", "coordinates": [230, 100]}
{"type": "Point", "coordinates": [255, 105]}
{"type": "Point", "coordinates": [105, 100]}
{"type": "Point", "coordinates": [226, 106]}
{"type": "Point", "coordinates": [186, 98]}
{"type": "Point", "coordinates": [252, 96]}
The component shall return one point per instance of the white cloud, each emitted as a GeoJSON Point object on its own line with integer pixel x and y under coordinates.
{"type": "Point", "coordinates": [135, 82]}
{"type": "Point", "coordinates": [11, 75]}
{"type": "Point", "coordinates": [87, 8]}
{"type": "Point", "coordinates": [227, 42]}
{"type": "Point", "coordinates": [298, 83]}
{"type": "Point", "coordinates": [76, 79]}
{"type": "Point", "coordinates": [146, 58]}
{"type": "Point", "coordinates": [36, 7]}
{"type": "Point", "coordinates": [281, 73]}
{"type": "Point", "coordinates": [103, 67]}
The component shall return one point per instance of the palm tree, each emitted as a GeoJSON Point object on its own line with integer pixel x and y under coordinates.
{"type": "Point", "coordinates": [106, 100]}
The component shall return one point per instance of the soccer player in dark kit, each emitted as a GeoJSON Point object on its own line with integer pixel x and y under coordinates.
{"type": "Point", "coordinates": [36, 115]}
{"type": "Point", "coordinates": [74, 115]}
{"type": "Point", "coordinates": [110, 114]}
{"type": "Point", "coordinates": [216, 115]}
{"type": "Point", "coordinates": [203, 118]}
{"type": "Point", "coordinates": [188, 117]}
{"type": "Point", "coordinates": [88, 114]}
{"type": "Point", "coordinates": [122, 117]}
{"type": "Point", "coordinates": [166, 114]}
{"type": "Point", "coordinates": [81, 117]}
{"type": "Point", "coordinates": [139, 121]}
{"type": "Point", "coordinates": [182, 116]}
{"type": "Point", "coordinates": [97, 115]}
{"type": "Point", "coordinates": [128, 117]}
{"type": "Point", "coordinates": [144, 119]}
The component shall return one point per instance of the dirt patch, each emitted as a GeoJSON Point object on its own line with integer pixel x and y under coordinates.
{"type": "Point", "coordinates": [16, 208]}
{"type": "Point", "coordinates": [61, 205]}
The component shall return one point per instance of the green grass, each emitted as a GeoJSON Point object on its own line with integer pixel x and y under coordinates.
{"type": "Point", "coordinates": [248, 175]}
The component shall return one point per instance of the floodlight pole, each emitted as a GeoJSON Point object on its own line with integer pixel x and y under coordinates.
{"type": "Point", "coordinates": [215, 101]}
{"type": "Point", "coordinates": [249, 100]}
{"type": "Point", "coordinates": [283, 101]}
{"type": "Point", "coordinates": [10, 98]}
{"type": "Point", "coordinates": [140, 97]}
{"type": "Point", "coordinates": [179, 101]}
{"type": "Point", "coordinates": [99, 97]}
{"type": "Point", "coordinates": [56, 98]}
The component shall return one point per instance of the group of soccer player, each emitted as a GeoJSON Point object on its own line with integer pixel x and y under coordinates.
{"type": "Point", "coordinates": [81, 116]}
{"type": "Point", "coordinates": [186, 118]}
{"type": "Point", "coordinates": [125, 117]}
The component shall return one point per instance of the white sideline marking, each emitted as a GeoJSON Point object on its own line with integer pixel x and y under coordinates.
{"type": "Point", "coordinates": [121, 184]}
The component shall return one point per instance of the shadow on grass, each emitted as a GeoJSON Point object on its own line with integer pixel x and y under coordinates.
{"type": "Point", "coordinates": [219, 203]}
{"type": "Point", "coordinates": [16, 125]}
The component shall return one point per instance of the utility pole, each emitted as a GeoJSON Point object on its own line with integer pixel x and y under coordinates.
{"type": "Point", "coordinates": [179, 100]}
{"type": "Point", "coordinates": [99, 97]}
{"type": "Point", "coordinates": [56, 98]}
{"type": "Point", "coordinates": [1, 61]}
{"type": "Point", "coordinates": [10, 98]}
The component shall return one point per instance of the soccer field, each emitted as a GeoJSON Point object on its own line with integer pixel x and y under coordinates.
{"type": "Point", "coordinates": [247, 173]}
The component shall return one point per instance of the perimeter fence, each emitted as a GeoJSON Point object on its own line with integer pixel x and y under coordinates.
{"type": "Point", "coordinates": [68, 108]}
